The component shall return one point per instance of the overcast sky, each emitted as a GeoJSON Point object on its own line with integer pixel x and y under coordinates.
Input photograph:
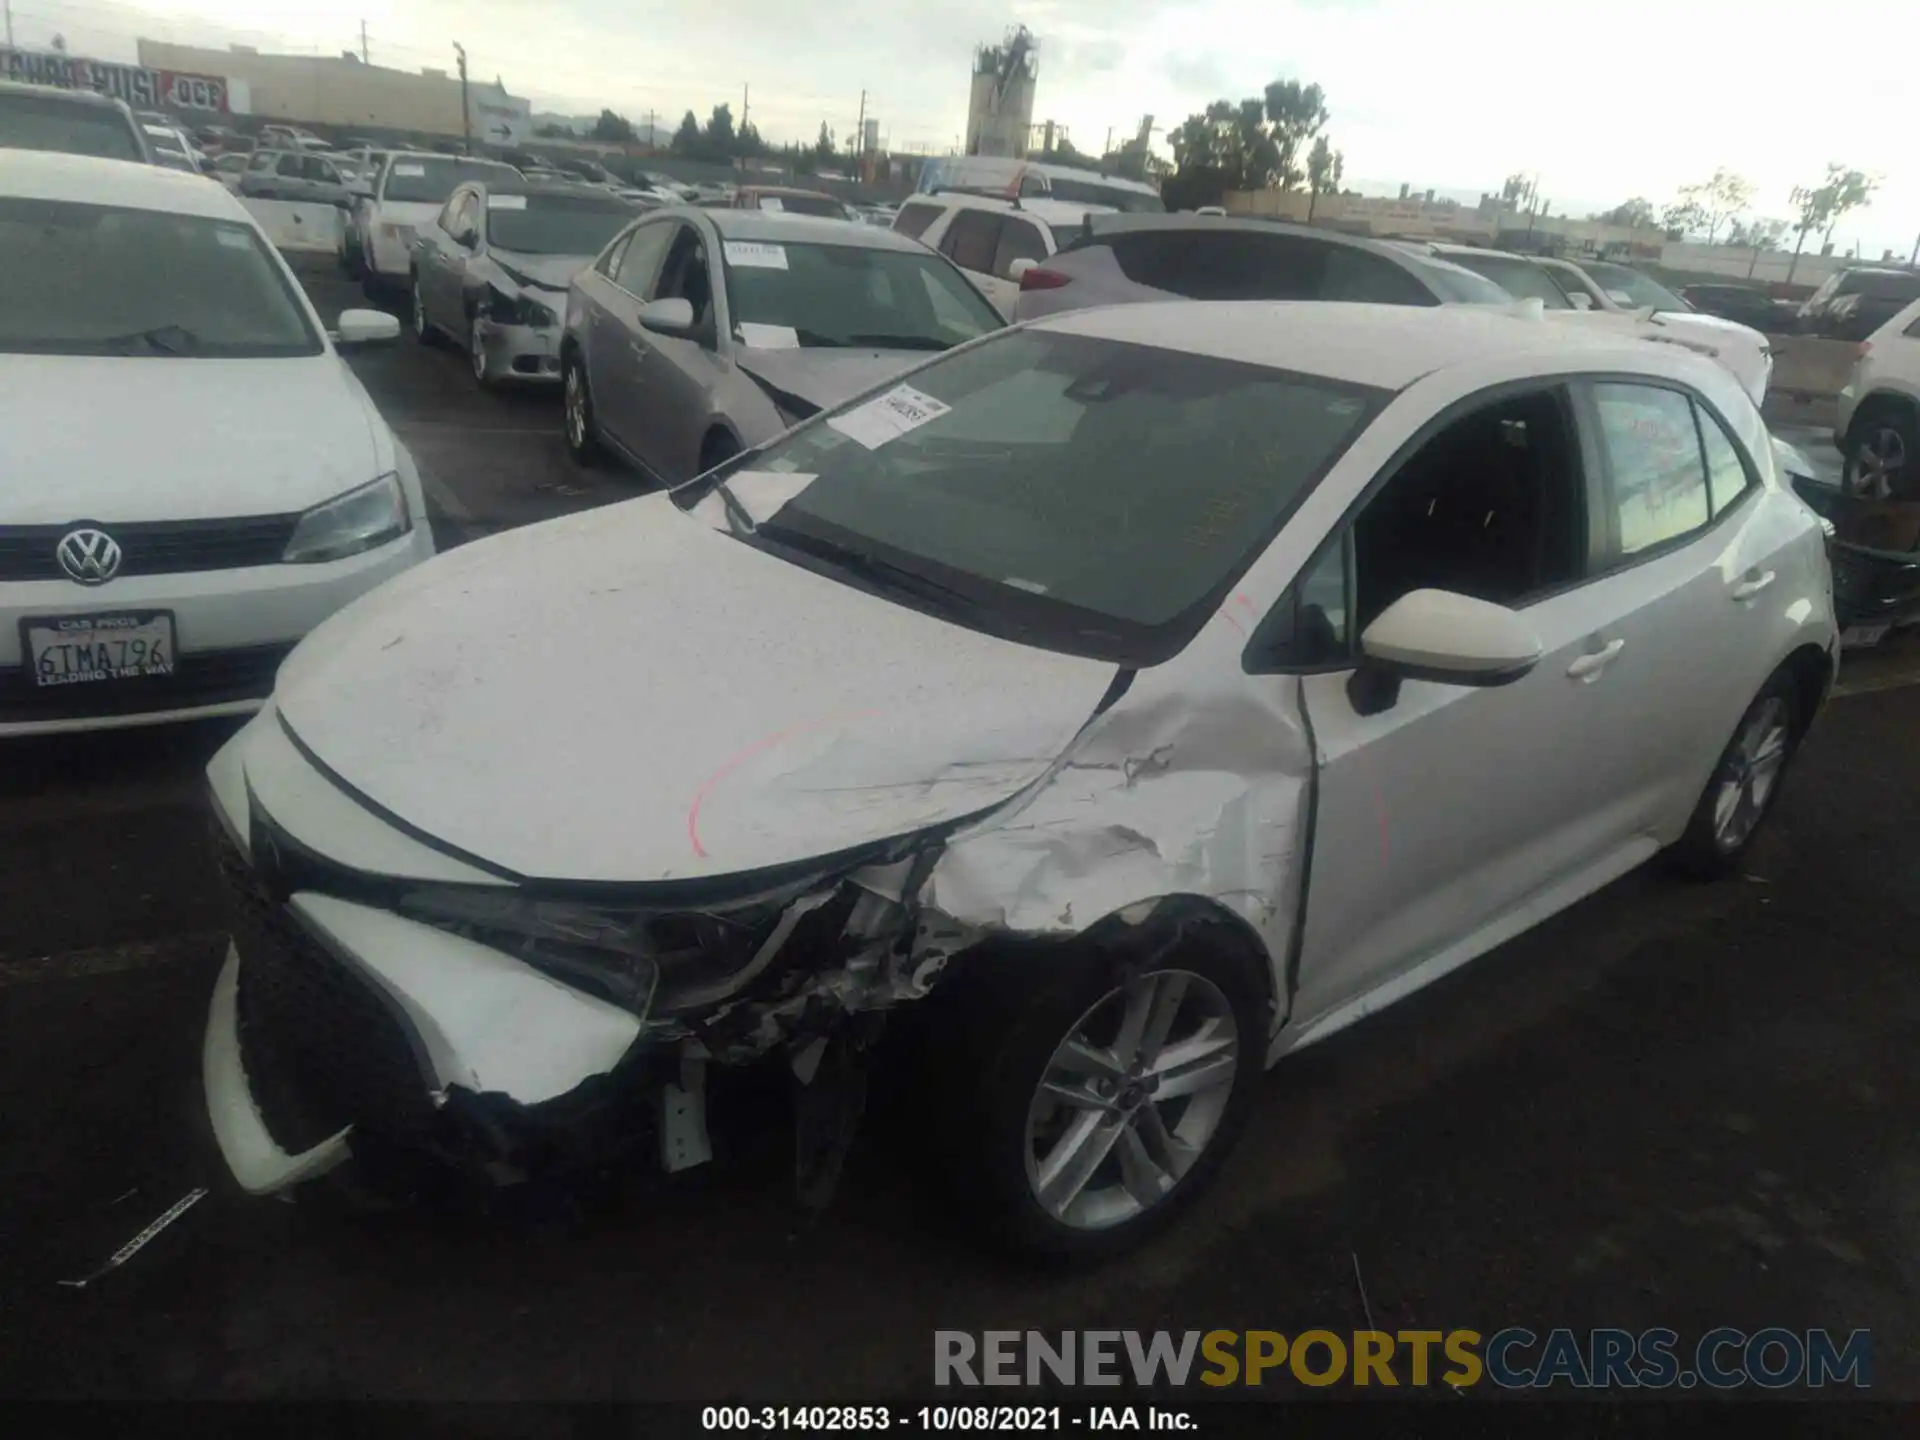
{"type": "Point", "coordinates": [1633, 97]}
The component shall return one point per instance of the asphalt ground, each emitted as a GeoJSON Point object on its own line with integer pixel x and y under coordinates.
{"type": "Point", "coordinates": [1674, 1105]}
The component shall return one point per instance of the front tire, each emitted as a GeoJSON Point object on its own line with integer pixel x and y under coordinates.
{"type": "Point", "coordinates": [1744, 786]}
{"type": "Point", "coordinates": [1882, 455]}
{"type": "Point", "coordinates": [576, 413]}
{"type": "Point", "coordinates": [1093, 1112]}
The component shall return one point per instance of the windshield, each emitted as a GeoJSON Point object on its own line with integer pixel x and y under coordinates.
{"type": "Point", "coordinates": [1457, 285]}
{"type": "Point", "coordinates": [48, 122]}
{"type": "Point", "coordinates": [1632, 289]}
{"type": "Point", "coordinates": [786, 295]}
{"type": "Point", "coordinates": [426, 181]}
{"type": "Point", "coordinates": [1092, 192]}
{"type": "Point", "coordinates": [99, 280]}
{"type": "Point", "coordinates": [1083, 494]}
{"type": "Point", "coordinates": [1521, 279]}
{"type": "Point", "coordinates": [554, 224]}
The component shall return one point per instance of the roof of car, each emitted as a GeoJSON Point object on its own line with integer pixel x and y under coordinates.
{"type": "Point", "coordinates": [784, 226]}
{"type": "Point", "coordinates": [55, 92]}
{"type": "Point", "coordinates": [129, 184]}
{"type": "Point", "coordinates": [1386, 346]}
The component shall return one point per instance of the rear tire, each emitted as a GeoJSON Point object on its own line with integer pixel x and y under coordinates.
{"type": "Point", "coordinates": [1883, 451]}
{"type": "Point", "coordinates": [576, 412]}
{"type": "Point", "coordinates": [1744, 786]}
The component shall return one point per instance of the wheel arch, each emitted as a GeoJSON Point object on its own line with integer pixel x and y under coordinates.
{"type": "Point", "coordinates": [1811, 669]}
{"type": "Point", "coordinates": [1882, 400]}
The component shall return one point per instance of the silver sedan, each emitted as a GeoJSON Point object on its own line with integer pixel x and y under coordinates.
{"type": "Point", "coordinates": [701, 333]}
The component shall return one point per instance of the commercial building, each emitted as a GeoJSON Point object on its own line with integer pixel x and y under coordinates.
{"type": "Point", "coordinates": [342, 92]}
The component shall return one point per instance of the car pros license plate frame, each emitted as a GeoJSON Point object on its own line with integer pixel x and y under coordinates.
{"type": "Point", "coordinates": [61, 650]}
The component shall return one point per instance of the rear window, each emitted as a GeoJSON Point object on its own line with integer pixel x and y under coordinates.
{"type": "Point", "coordinates": [913, 219]}
{"type": "Point", "coordinates": [1521, 279]}
{"type": "Point", "coordinates": [422, 180]}
{"type": "Point", "coordinates": [553, 224]}
{"type": "Point", "coordinates": [71, 127]}
{"type": "Point", "coordinates": [824, 206]}
{"type": "Point", "coordinates": [1243, 265]}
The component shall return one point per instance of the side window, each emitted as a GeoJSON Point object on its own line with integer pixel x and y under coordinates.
{"type": "Point", "coordinates": [1492, 506]}
{"type": "Point", "coordinates": [322, 170]}
{"type": "Point", "coordinates": [1155, 259]}
{"type": "Point", "coordinates": [685, 276]}
{"type": "Point", "coordinates": [1727, 477]}
{"type": "Point", "coordinates": [1355, 275]}
{"type": "Point", "coordinates": [640, 262]}
{"type": "Point", "coordinates": [609, 261]}
{"type": "Point", "coordinates": [290, 166]}
{"type": "Point", "coordinates": [1912, 332]}
{"type": "Point", "coordinates": [972, 239]}
{"type": "Point", "coordinates": [261, 161]}
{"type": "Point", "coordinates": [1656, 475]}
{"type": "Point", "coordinates": [1308, 628]}
{"type": "Point", "coordinates": [913, 219]}
{"type": "Point", "coordinates": [1019, 240]}
{"type": "Point", "coordinates": [948, 313]}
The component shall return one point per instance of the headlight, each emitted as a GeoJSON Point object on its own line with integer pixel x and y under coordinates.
{"type": "Point", "coordinates": [504, 309]}
{"type": "Point", "coordinates": [639, 959]}
{"type": "Point", "coordinates": [347, 524]}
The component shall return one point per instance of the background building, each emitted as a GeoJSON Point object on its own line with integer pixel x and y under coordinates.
{"type": "Point", "coordinates": [337, 91]}
{"type": "Point", "coordinates": [1000, 106]}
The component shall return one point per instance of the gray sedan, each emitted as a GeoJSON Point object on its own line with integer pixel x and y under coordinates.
{"type": "Point", "coordinates": [701, 333]}
{"type": "Point", "coordinates": [491, 271]}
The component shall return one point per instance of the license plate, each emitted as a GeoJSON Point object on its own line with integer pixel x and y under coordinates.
{"type": "Point", "coordinates": [80, 649]}
{"type": "Point", "coordinates": [1856, 637]}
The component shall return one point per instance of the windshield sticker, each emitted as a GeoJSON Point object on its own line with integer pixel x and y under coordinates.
{"type": "Point", "coordinates": [769, 337]}
{"type": "Point", "coordinates": [900, 410]}
{"type": "Point", "coordinates": [234, 239]}
{"type": "Point", "coordinates": [755, 255]}
{"type": "Point", "coordinates": [506, 202]}
{"type": "Point", "coordinates": [763, 492]}
{"type": "Point", "coordinates": [413, 171]}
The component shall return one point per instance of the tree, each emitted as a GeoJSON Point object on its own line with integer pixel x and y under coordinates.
{"type": "Point", "coordinates": [612, 129]}
{"type": "Point", "coordinates": [1710, 204]}
{"type": "Point", "coordinates": [1635, 214]}
{"type": "Point", "coordinates": [554, 131]}
{"type": "Point", "coordinates": [1820, 207]}
{"type": "Point", "coordinates": [1295, 113]}
{"type": "Point", "coordinates": [1324, 164]}
{"type": "Point", "coordinates": [823, 151]}
{"type": "Point", "coordinates": [686, 139]}
{"type": "Point", "coordinates": [748, 143]}
{"type": "Point", "coordinates": [1518, 191]}
{"type": "Point", "coordinates": [717, 140]}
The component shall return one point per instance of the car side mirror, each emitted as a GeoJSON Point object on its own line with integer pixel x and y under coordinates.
{"type": "Point", "coordinates": [365, 327]}
{"type": "Point", "coordinates": [673, 316]}
{"type": "Point", "coordinates": [1444, 637]}
{"type": "Point", "coordinates": [1020, 267]}
{"type": "Point", "coordinates": [1580, 301]}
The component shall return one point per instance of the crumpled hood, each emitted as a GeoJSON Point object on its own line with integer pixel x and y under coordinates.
{"type": "Point", "coordinates": [826, 377]}
{"type": "Point", "coordinates": [548, 272]}
{"type": "Point", "coordinates": [628, 695]}
{"type": "Point", "coordinates": [162, 438]}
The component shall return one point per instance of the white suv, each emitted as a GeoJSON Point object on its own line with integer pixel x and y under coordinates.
{"type": "Point", "coordinates": [1878, 428]}
{"type": "Point", "coordinates": [989, 237]}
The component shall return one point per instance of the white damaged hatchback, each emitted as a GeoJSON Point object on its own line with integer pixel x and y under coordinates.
{"type": "Point", "coordinates": [1119, 703]}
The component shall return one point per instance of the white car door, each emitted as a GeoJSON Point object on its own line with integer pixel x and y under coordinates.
{"type": "Point", "coordinates": [1448, 817]}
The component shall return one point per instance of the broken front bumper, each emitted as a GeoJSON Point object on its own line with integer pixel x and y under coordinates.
{"type": "Point", "coordinates": [525, 353]}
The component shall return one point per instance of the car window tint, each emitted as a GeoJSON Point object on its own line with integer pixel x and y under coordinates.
{"type": "Point", "coordinates": [1224, 265]}
{"type": "Point", "coordinates": [913, 219]}
{"type": "Point", "coordinates": [1019, 240]}
{"type": "Point", "coordinates": [971, 240]}
{"type": "Point", "coordinates": [1727, 477]}
{"type": "Point", "coordinates": [641, 260]}
{"type": "Point", "coordinates": [1354, 275]}
{"type": "Point", "coordinates": [1656, 475]}
{"type": "Point", "coordinates": [1492, 506]}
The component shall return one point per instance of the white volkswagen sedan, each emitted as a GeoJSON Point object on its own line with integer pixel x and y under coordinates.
{"type": "Point", "coordinates": [1130, 699]}
{"type": "Point", "coordinates": [194, 479]}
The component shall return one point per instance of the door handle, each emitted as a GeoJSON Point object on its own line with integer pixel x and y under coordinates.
{"type": "Point", "coordinates": [1751, 586]}
{"type": "Point", "coordinates": [1594, 662]}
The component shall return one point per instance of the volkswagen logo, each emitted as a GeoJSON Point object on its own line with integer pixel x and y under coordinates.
{"type": "Point", "coordinates": [89, 557]}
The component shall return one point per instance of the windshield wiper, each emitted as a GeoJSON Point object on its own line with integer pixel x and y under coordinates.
{"type": "Point", "coordinates": [167, 339]}
{"type": "Point", "coordinates": [901, 342]}
{"type": "Point", "coordinates": [885, 575]}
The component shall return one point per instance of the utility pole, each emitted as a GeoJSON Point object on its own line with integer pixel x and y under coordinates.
{"type": "Point", "coordinates": [9, 5]}
{"type": "Point", "coordinates": [1914, 259]}
{"type": "Point", "coordinates": [363, 42]}
{"type": "Point", "coordinates": [745, 109]}
{"type": "Point", "coordinates": [860, 142]}
{"type": "Point", "coordinates": [466, 115]}
{"type": "Point", "coordinates": [1107, 149]}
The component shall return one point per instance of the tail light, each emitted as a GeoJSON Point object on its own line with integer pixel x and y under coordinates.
{"type": "Point", "coordinates": [1038, 279]}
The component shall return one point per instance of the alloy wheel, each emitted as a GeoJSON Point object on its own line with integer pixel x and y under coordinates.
{"type": "Point", "coordinates": [1881, 462]}
{"type": "Point", "coordinates": [1131, 1098]}
{"type": "Point", "coordinates": [1748, 776]}
{"type": "Point", "coordinates": [576, 407]}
